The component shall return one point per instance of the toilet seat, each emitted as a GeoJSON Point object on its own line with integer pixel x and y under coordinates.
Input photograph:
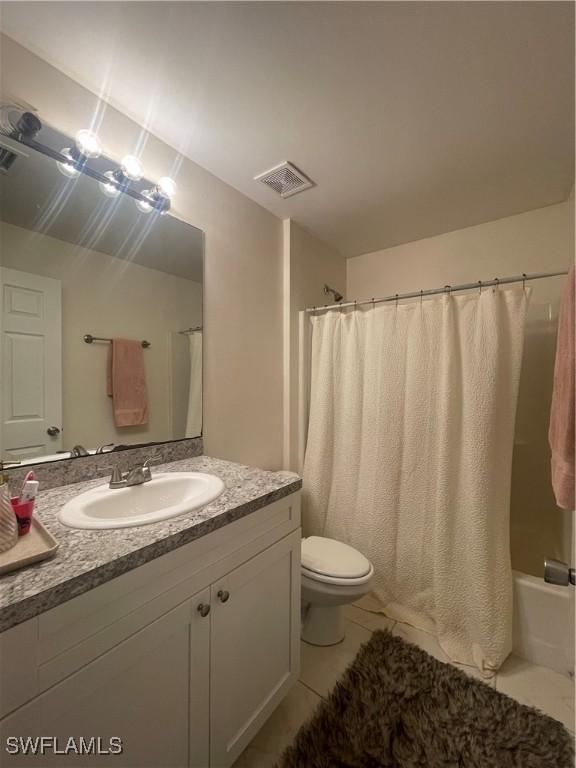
{"type": "Point", "coordinates": [333, 562]}
{"type": "Point", "coordinates": [336, 580]}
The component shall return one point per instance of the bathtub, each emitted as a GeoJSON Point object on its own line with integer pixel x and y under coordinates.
{"type": "Point", "coordinates": [543, 630]}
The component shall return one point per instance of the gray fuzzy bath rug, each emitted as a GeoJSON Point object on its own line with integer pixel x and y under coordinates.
{"type": "Point", "coordinates": [397, 707]}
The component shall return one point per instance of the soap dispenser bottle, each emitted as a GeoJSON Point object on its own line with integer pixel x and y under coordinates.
{"type": "Point", "coordinates": [8, 521]}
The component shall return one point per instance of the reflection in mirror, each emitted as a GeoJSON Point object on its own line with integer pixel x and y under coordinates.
{"type": "Point", "coordinates": [100, 310]}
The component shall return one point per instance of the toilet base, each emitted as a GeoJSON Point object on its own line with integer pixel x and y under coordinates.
{"type": "Point", "coordinates": [322, 624]}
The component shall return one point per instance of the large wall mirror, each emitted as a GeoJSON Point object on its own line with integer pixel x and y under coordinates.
{"type": "Point", "coordinates": [101, 307]}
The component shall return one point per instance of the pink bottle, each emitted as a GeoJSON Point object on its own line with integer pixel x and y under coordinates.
{"type": "Point", "coordinates": [23, 511]}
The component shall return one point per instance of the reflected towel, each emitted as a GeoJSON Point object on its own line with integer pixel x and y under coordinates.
{"type": "Point", "coordinates": [561, 433]}
{"type": "Point", "coordinates": [126, 382]}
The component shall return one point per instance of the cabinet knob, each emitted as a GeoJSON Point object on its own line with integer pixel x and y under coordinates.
{"type": "Point", "coordinates": [223, 595]}
{"type": "Point", "coordinates": [203, 609]}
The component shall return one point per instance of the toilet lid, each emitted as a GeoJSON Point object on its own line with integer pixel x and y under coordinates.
{"type": "Point", "coordinates": [333, 558]}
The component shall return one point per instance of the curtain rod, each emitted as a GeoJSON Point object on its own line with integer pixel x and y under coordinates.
{"type": "Point", "coordinates": [446, 289]}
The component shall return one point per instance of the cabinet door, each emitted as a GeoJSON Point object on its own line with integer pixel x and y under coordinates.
{"type": "Point", "coordinates": [254, 646]}
{"type": "Point", "coordinates": [151, 691]}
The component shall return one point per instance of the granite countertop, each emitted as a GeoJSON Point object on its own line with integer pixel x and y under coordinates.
{"type": "Point", "coordinates": [87, 558]}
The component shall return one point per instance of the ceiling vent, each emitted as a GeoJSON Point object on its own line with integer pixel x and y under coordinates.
{"type": "Point", "coordinates": [285, 179]}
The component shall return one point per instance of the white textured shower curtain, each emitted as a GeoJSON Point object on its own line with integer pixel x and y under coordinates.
{"type": "Point", "coordinates": [409, 458]}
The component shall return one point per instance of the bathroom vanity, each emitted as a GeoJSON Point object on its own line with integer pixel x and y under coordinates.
{"type": "Point", "coordinates": [179, 637]}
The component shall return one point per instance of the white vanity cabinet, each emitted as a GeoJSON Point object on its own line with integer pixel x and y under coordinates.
{"type": "Point", "coordinates": [150, 690]}
{"type": "Point", "coordinates": [183, 658]}
{"type": "Point", "coordinates": [252, 636]}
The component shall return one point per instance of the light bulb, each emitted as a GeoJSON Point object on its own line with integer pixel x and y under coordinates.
{"type": "Point", "coordinates": [109, 188]}
{"type": "Point", "coordinates": [88, 144]}
{"type": "Point", "coordinates": [68, 169]}
{"type": "Point", "coordinates": [142, 205]}
{"type": "Point", "coordinates": [167, 186]}
{"type": "Point", "coordinates": [132, 168]}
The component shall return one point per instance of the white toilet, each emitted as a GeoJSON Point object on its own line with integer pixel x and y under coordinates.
{"type": "Point", "coordinates": [333, 574]}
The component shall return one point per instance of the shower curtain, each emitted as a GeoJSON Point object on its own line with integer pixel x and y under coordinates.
{"type": "Point", "coordinates": [194, 417]}
{"type": "Point", "coordinates": [409, 458]}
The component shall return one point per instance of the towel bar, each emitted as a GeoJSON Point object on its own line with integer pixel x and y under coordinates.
{"type": "Point", "coordinates": [88, 338]}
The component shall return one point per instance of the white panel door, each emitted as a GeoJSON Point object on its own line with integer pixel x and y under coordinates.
{"type": "Point", "coordinates": [31, 365]}
{"type": "Point", "coordinates": [151, 691]}
{"type": "Point", "coordinates": [255, 646]}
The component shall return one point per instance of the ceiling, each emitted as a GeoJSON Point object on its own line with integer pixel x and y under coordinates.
{"type": "Point", "coordinates": [413, 118]}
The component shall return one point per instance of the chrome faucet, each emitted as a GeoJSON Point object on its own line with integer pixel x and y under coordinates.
{"type": "Point", "coordinates": [102, 448]}
{"type": "Point", "coordinates": [78, 450]}
{"type": "Point", "coordinates": [136, 476]}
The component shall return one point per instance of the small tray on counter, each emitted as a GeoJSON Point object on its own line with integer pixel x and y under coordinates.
{"type": "Point", "coordinates": [38, 544]}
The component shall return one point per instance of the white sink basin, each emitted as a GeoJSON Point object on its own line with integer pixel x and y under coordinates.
{"type": "Point", "coordinates": [168, 494]}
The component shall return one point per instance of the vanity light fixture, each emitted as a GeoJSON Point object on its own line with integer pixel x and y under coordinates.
{"type": "Point", "coordinates": [143, 205]}
{"type": "Point", "coordinates": [159, 196]}
{"type": "Point", "coordinates": [87, 146]}
{"type": "Point", "coordinates": [68, 168]}
{"type": "Point", "coordinates": [167, 187]}
{"type": "Point", "coordinates": [118, 180]}
{"type": "Point", "coordinates": [131, 168]}
{"type": "Point", "coordinates": [110, 187]}
{"type": "Point", "coordinates": [73, 161]}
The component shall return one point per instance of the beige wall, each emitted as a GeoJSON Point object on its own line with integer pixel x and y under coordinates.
{"type": "Point", "coordinates": [139, 303]}
{"type": "Point", "coordinates": [308, 265]}
{"type": "Point", "coordinates": [243, 262]}
{"type": "Point", "coordinates": [537, 241]}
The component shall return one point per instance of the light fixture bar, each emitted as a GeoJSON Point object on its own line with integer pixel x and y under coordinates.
{"type": "Point", "coordinates": [160, 203]}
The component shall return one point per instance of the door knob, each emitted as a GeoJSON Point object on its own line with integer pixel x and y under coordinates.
{"type": "Point", "coordinates": [53, 431]}
{"type": "Point", "coordinates": [557, 572]}
{"type": "Point", "coordinates": [203, 609]}
{"type": "Point", "coordinates": [223, 595]}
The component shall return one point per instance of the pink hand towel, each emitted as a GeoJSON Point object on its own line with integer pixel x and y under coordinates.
{"type": "Point", "coordinates": [126, 382]}
{"type": "Point", "coordinates": [562, 415]}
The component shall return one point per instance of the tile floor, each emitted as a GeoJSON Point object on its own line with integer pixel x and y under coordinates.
{"type": "Point", "coordinates": [535, 686]}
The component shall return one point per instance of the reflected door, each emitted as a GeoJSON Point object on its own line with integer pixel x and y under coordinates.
{"type": "Point", "coordinates": [31, 353]}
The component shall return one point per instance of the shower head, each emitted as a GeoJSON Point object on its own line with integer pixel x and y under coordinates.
{"type": "Point", "coordinates": [337, 296]}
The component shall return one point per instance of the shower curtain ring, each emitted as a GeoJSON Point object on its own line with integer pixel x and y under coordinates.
{"type": "Point", "coordinates": [421, 295]}
{"type": "Point", "coordinates": [479, 286]}
{"type": "Point", "coordinates": [396, 297]}
{"type": "Point", "coordinates": [448, 289]}
{"type": "Point", "coordinates": [497, 283]}
{"type": "Point", "coordinates": [523, 281]}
